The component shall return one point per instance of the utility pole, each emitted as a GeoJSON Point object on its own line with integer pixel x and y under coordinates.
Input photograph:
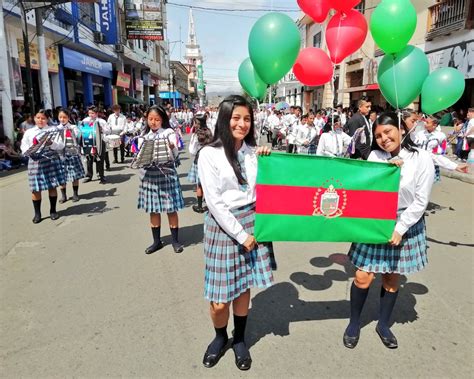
{"type": "Point", "coordinates": [26, 48]}
{"type": "Point", "coordinates": [7, 112]}
{"type": "Point", "coordinates": [43, 61]}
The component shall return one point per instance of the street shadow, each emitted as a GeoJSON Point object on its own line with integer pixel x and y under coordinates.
{"type": "Point", "coordinates": [434, 208]}
{"type": "Point", "coordinates": [98, 194]}
{"type": "Point", "coordinates": [275, 308]}
{"type": "Point", "coordinates": [90, 209]}
{"type": "Point", "coordinates": [117, 168]}
{"type": "Point", "coordinates": [13, 171]}
{"type": "Point", "coordinates": [189, 201]}
{"type": "Point", "coordinates": [117, 179]}
{"type": "Point", "coordinates": [187, 187]}
{"type": "Point", "coordinates": [450, 243]}
{"type": "Point", "coordinates": [183, 175]}
{"type": "Point", "coordinates": [188, 235]}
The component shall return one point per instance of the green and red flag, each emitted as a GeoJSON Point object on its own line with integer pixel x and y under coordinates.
{"type": "Point", "coordinates": [308, 198]}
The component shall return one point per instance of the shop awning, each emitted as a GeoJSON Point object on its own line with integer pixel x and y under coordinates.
{"type": "Point", "coordinates": [124, 99]}
{"type": "Point", "coordinates": [368, 87]}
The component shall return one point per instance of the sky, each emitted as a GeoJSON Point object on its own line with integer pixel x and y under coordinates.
{"type": "Point", "coordinates": [222, 36]}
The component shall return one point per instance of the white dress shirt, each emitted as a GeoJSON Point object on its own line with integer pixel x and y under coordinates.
{"type": "Point", "coordinates": [417, 176]}
{"type": "Point", "coordinates": [30, 134]}
{"type": "Point", "coordinates": [306, 133]}
{"type": "Point", "coordinates": [331, 144]}
{"type": "Point", "coordinates": [222, 190]}
{"type": "Point", "coordinates": [117, 124]}
{"type": "Point", "coordinates": [431, 142]}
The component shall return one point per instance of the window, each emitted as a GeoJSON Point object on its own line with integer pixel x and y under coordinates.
{"type": "Point", "coordinates": [87, 14]}
{"type": "Point", "coordinates": [360, 7]}
{"type": "Point", "coordinates": [317, 40]}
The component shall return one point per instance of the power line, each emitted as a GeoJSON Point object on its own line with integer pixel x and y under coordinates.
{"type": "Point", "coordinates": [234, 9]}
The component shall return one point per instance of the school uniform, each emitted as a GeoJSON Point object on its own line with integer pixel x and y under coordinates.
{"type": "Point", "coordinates": [331, 144]}
{"type": "Point", "coordinates": [230, 269]}
{"type": "Point", "coordinates": [160, 190]}
{"type": "Point", "coordinates": [46, 172]}
{"type": "Point", "coordinates": [307, 133]}
{"type": "Point", "coordinates": [118, 126]}
{"type": "Point", "coordinates": [71, 157]}
{"type": "Point", "coordinates": [417, 174]}
{"type": "Point", "coordinates": [98, 159]}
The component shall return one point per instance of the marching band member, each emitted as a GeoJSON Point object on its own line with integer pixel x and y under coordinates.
{"type": "Point", "coordinates": [307, 136]}
{"type": "Point", "coordinates": [160, 191]}
{"type": "Point", "coordinates": [405, 252]}
{"type": "Point", "coordinates": [117, 123]}
{"type": "Point", "coordinates": [235, 261]}
{"type": "Point", "coordinates": [73, 167]}
{"type": "Point", "coordinates": [46, 172]}
{"type": "Point", "coordinates": [294, 125]}
{"type": "Point", "coordinates": [332, 141]}
{"type": "Point", "coordinates": [94, 155]}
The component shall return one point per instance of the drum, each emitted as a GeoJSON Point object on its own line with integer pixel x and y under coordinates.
{"type": "Point", "coordinates": [114, 140]}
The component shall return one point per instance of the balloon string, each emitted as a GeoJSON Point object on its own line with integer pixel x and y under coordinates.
{"type": "Point", "coordinates": [260, 126]}
{"type": "Point", "coordinates": [337, 35]}
{"type": "Point", "coordinates": [395, 83]}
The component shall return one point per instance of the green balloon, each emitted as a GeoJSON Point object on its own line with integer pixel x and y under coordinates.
{"type": "Point", "coordinates": [392, 25]}
{"type": "Point", "coordinates": [250, 81]}
{"type": "Point", "coordinates": [274, 44]}
{"type": "Point", "coordinates": [443, 88]}
{"type": "Point", "coordinates": [401, 76]}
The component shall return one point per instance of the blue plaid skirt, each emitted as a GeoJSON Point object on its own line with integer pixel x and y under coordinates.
{"type": "Point", "coordinates": [73, 168]}
{"type": "Point", "coordinates": [193, 175]}
{"type": "Point", "coordinates": [437, 178]}
{"type": "Point", "coordinates": [45, 174]}
{"type": "Point", "coordinates": [312, 149]}
{"type": "Point", "coordinates": [409, 257]}
{"type": "Point", "coordinates": [230, 269]}
{"type": "Point", "coordinates": [160, 191]}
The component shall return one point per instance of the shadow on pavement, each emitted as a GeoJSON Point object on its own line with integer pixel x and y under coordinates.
{"type": "Point", "coordinates": [116, 179]}
{"type": "Point", "coordinates": [275, 308]}
{"type": "Point", "coordinates": [189, 201]}
{"type": "Point", "coordinates": [188, 235]}
{"type": "Point", "coordinates": [13, 171]}
{"type": "Point", "coordinates": [450, 243]}
{"type": "Point", "coordinates": [91, 209]}
{"type": "Point", "coordinates": [98, 194]}
{"type": "Point", "coordinates": [187, 187]}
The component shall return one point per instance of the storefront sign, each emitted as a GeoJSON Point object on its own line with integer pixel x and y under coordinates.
{"type": "Point", "coordinates": [144, 20]}
{"type": "Point", "coordinates": [51, 55]}
{"type": "Point", "coordinates": [123, 80]}
{"type": "Point", "coordinates": [81, 62]}
{"type": "Point", "coordinates": [460, 56]}
{"type": "Point", "coordinates": [139, 85]}
{"type": "Point", "coordinates": [108, 21]}
{"type": "Point", "coordinates": [200, 75]}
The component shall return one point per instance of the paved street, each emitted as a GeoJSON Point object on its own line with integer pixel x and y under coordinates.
{"type": "Point", "coordinates": [79, 297]}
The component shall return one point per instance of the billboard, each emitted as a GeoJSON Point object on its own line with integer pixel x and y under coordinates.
{"type": "Point", "coordinates": [108, 21]}
{"type": "Point", "coordinates": [144, 20]}
{"type": "Point", "coordinates": [51, 54]}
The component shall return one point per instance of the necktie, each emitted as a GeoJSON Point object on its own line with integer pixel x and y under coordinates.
{"type": "Point", "coordinates": [241, 161]}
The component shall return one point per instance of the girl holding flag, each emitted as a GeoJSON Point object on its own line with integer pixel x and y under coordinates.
{"type": "Point", "coordinates": [235, 261]}
{"type": "Point", "coordinates": [405, 252]}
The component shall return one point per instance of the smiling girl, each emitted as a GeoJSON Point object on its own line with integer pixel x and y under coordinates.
{"type": "Point", "coordinates": [405, 252]}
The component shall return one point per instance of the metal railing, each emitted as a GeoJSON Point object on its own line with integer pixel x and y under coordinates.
{"type": "Point", "coordinates": [447, 16]}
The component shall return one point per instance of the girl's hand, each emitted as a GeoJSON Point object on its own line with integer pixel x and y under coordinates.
{"type": "Point", "coordinates": [462, 167]}
{"type": "Point", "coordinates": [396, 239]}
{"type": "Point", "coordinates": [250, 243]}
{"type": "Point", "coordinates": [263, 150]}
{"type": "Point", "coordinates": [397, 162]}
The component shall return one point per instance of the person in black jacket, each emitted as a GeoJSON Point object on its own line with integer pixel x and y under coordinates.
{"type": "Point", "coordinates": [358, 127]}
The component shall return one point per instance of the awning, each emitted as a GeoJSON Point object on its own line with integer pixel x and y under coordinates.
{"type": "Point", "coordinates": [368, 87]}
{"type": "Point", "coordinates": [124, 99]}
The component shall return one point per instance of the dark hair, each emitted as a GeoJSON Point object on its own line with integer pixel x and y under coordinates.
{"type": "Point", "coordinates": [328, 126]}
{"type": "Point", "coordinates": [391, 118]}
{"type": "Point", "coordinates": [299, 108]}
{"type": "Point", "coordinates": [93, 108]}
{"type": "Point", "coordinates": [44, 112]}
{"type": "Point", "coordinates": [65, 111]}
{"type": "Point", "coordinates": [406, 113]}
{"type": "Point", "coordinates": [201, 119]}
{"type": "Point", "coordinates": [164, 116]}
{"type": "Point", "coordinates": [223, 135]}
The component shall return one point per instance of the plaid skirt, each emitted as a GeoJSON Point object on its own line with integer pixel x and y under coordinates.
{"type": "Point", "coordinates": [312, 150]}
{"type": "Point", "coordinates": [73, 168]}
{"type": "Point", "coordinates": [437, 178]}
{"type": "Point", "coordinates": [193, 175]}
{"type": "Point", "coordinates": [409, 257]}
{"type": "Point", "coordinates": [160, 191]}
{"type": "Point", "coordinates": [45, 174]}
{"type": "Point", "coordinates": [230, 269]}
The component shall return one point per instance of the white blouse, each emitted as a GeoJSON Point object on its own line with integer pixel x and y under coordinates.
{"type": "Point", "coordinates": [430, 141]}
{"type": "Point", "coordinates": [221, 187]}
{"type": "Point", "coordinates": [417, 176]}
{"type": "Point", "coordinates": [331, 144]}
{"type": "Point", "coordinates": [30, 134]}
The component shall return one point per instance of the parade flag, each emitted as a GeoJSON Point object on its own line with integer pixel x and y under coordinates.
{"type": "Point", "coordinates": [309, 198]}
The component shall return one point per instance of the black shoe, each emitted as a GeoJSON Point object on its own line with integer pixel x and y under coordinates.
{"type": "Point", "coordinates": [115, 161]}
{"type": "Point", "coordinates": [62, 200]}
{"type": "Point", "coordinates": [350, 342]}
{"type": "Point", "coordinates": [210, 360]}
{"type": "Point", "coordinates": [37, 219]}
{"type": "Point", "coordinates": [75, 198]}
{"type": "Point", "coordinates": [243, 363]}
{"type": "Point", "coordinates": [198, 209]}
{"type": "Point", "coordinates": [87, 180]}
{"type": "Point", "coordinates": [102, 181]}
{"type": "Point", "coordinates": [107, 168]}
{"type": "Point", "coordinates": [155, 247]}
{"type": "Point", "coordinates": [122, 161]}
{"type": "Point", "coordinates": [54, 216]}
{"type": "Point", "coordinates": [390, 342]}
{"type": "Point", "coordinates": [178, 248]}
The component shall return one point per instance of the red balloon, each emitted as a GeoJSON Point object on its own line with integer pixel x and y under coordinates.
{"type": "Point", "coordinates": [313, 67]}
{"type": "Point", "coordinates": [316, 9]}
{"type": "Point", "coordinates": [345, 34]}
{"type": "Point", "coordinates": [343, 5]}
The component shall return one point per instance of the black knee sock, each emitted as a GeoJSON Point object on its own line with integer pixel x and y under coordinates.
{"type": "Point", "coordinates": [199, 198]}
{"type": "Point", "coordinates": [75, 190]}
{"type": "Point", "coordinates": [238, 343]}
{"type": "Point", "coordinates": [37, 207]}
{"type": "Point", "coordinates": [156, 231]}
{"type": "Point", "coordinates": [358, 297]}
{"type": "Point", "coordinates": [387, 303]}
{"type": "Point", "coordinates": [52, 204]}
{"type": "Point", "coordinates": [174, 236]}
{"type": "Point", "coordinates": [63, 193]}
{"type": "Point", "coordinates": [219, 341]}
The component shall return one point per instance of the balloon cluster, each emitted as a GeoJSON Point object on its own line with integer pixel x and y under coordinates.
{"type": "Point", "coordinates": [404, 72]}
{"type": "Point", "coordinates": [345, 34]}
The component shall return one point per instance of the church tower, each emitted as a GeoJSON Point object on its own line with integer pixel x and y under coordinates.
{"type": "Point", "coordinates": [194, 61]}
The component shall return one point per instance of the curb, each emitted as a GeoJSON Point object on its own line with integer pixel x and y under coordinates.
{"type": "Point", "coordinates": [466, 178]}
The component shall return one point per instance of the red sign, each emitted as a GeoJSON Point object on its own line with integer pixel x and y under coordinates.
{"type": "Point", "coordinates": [123, 79]}
{"type": "Point", "coordinates": [139, 85]}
